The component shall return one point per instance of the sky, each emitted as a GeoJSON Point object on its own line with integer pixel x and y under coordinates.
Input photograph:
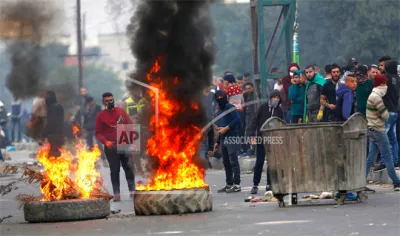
{"type": "Point", "coordinates": [98, 18]}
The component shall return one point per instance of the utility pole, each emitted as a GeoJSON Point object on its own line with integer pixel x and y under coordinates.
{"type": "Point", "coordinates": [79, 42]}
{"type": "Point", "coordinates": [84, 29]}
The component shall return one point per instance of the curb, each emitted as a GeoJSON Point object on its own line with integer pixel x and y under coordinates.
{"type": "Point", "coordinates": [381, 177]}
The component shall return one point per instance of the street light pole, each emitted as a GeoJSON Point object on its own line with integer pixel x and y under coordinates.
{"type": "Point", "coordinates": [79, 42]}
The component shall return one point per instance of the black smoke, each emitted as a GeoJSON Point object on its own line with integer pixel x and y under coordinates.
{"type": "Point", "coordinates": [33, 20]}
{"type": "Point", "coordinates": [180, 33]}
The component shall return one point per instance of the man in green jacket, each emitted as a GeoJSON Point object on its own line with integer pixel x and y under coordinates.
{"type": "Point", "coordinates": [364, 89]}
{"type": "Point", "coordinates": [312, 94]}
{"type": "Point", "coordinates": [296, 96]}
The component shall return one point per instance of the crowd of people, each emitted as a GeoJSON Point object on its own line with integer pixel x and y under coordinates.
{"type": "Point", "coordinates": [307, 96]}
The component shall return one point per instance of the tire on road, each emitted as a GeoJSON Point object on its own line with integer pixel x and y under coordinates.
{"type": "Point", "coordinates": [169, 202]}
{"type": "Point", "coordinates": [66, 210]}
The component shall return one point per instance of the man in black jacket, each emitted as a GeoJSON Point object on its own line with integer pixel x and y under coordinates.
{"type": "Point", "coordinates": [265, 111]}
{"type": "Point", "coordinates": [391, 100]}
{"type": "Point", "coordinates": [54, 129]}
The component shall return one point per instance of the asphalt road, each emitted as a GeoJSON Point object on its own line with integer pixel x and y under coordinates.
{"type": "Point", "coordinates": [230, 216]}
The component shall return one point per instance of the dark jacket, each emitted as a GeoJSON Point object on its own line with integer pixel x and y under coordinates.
{"type": "Point", "coordinates": [296, 95]}
{"type": "Point", "coordinates": [231, 119]}
{"type": "Point", "coordinates": [362, 93]}
{"type": "Point", "coordinates": [55, 117]}
{"type": "Point", "coordinates": [89, 121]}
{"type": "Point", "coordinates": [263, 113]}
{"type": "Point", "coordinates": [345, 103]}
{"type": "Point", "coordinates": [391, 99]}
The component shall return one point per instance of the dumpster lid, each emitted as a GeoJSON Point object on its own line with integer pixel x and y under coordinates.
{"type": "Point", "coordinates": [275, 123]}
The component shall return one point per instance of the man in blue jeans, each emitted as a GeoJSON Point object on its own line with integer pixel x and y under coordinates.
{"type": "Point", "coordinates": [377, 114]}
{"type": "Point", "coordinates": [228, 130]}
{"type": "Point", "coordinates": [391, 100]}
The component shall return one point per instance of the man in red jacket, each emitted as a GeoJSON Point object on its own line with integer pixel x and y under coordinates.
{"type": "Point", "coordinates": [106, 132]}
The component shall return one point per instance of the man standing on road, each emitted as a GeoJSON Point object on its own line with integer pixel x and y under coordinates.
{"type": "Point", "coordinates": [312, 103]}
{"type": "Point", "coordinates": [106, 132]}
{"type": "Point", "coordinates": [377, 114]}
{"type": "Point", "coordinates": [263, 113]}
{"type": "Point", "coordinates": [228, 129]}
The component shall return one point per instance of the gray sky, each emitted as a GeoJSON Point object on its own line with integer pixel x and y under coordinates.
{"type": "Point", "coordinates": [98, 18]}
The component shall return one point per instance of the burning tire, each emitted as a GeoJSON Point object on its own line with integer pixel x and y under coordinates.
{"type": "Point", "coordinates": [171, 202]}
{"type": "Point", "coordinates": [66, 210]}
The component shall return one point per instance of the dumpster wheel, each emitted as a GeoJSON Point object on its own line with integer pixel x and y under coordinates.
{"type": "Point", "coordinates": [362, 196]}
{"type": "Point", "coordinates": [281, 204]}
{"type": "Point", "coordinates": [341, 199]}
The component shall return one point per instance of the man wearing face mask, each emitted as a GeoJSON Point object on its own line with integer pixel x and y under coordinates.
{"type": "Point", "coordinates": [228, 130]}
{"type": "Point", "coordinates": [106, 132]}
{"type": "Point", "coordinates": [263, 113]}
{"type": "Point", "coordinates": [54, 129]}
{"type": "Point", "coordinates": [377, 114]}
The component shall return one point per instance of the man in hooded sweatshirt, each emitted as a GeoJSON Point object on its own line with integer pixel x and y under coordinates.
{"type": "Point", "coordinates": [346, 99]}
{"type": "Point", "coordinates": [314, 85]}
{"type": "Point", "coordinates": [377, 114]}
{"type": "Point", "coordinates": [391, 100]}
{"type": "Point", "coordinates": [54, 129]}
{"type": "Point", "coordinates": [228, 129]}
{"type": "Point", "coordinates": [264, 112]}
{"type": "Point", "coordinates": [287, 82]}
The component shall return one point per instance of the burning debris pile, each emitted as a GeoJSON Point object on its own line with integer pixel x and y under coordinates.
{"type": "Point", "coordinates": [63, 178]}
{"type": "Point", "coordinates": [26, 24]}
{"type": "Point", "coordinates": [172, 43]}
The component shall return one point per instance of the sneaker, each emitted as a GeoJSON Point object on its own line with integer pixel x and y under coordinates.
{"type": "Point", "coordinates": [268, 188]}
{"type": "Point", "coordinates": [380, 168]}
{"type": "Point", "coordinates": [254, 190]}
{"type": "Point", "coordinates": [397, 167]}
{"type": "Point", "coordinates": [117, 197]}
{"type": "Point", "coordinates": [235, 188]}
{"type": "Point", "coordinates": [224, 189]}
{"type": "Point", "coordinates": [396, 187]}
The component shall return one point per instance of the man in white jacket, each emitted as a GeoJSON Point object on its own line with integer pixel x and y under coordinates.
{"type": "Point", "coordinates": [377, 114]}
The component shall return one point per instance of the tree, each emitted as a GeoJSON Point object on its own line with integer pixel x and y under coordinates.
{"type": "Point", "coordinates": [96, 78]}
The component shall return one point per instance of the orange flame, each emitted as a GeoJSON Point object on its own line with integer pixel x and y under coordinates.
{"type": "Point", "coordinates": [173, 146]}
{"type": "Point", "coordinates": [66, 177]}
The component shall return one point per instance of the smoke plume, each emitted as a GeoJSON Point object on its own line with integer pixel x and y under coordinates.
{"type": "Point", "coordinates": [27, 23]}
{"type": "Point", "coordinates": [179, 34]}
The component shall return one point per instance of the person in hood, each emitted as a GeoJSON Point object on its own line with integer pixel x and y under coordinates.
{"type": "Point", "coordinates": [54, 125]}
{"type": "Point", "coordinates": [364, 89]}
{"type": "Point", "coordinates": [228, 130]}
{"type": "Point", "coordinates": [391, 100]}
{"type": "Point", "coordinates": [377, 114]}
{"type": "Point", "coordinates": [328, 96]}
{"type": "Point", "coordinates": [296, 96]}
{"type": "Point", "coordinates": [346, 99]}
{"type": "Point", "coordinates": [107, 122]}
{"type": "Point", "coordinates": [382, 62]}
{"type": "Point", "coordinates": [313, 90]}
{"type": "Point", "coordinates": [264, 112]}
{"type": "Point", "coordinates": [286, 83]}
